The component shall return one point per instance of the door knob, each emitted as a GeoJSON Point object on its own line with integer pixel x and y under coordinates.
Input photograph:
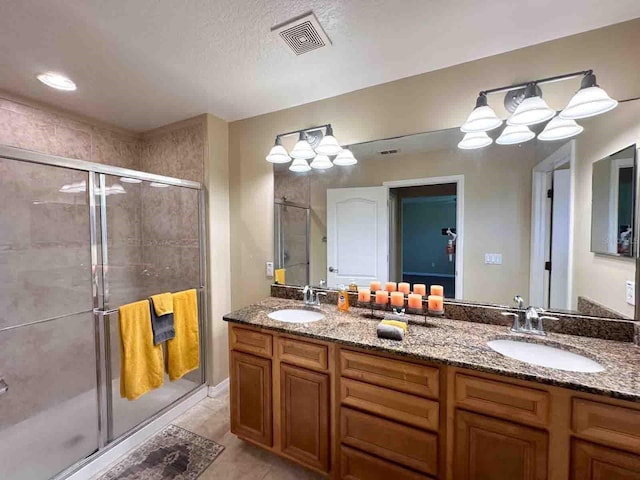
{"type": "Point", "coordinates": [332, 270]}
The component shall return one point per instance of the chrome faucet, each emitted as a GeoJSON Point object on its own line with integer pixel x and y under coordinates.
{"type": "Point", "coordinates": [311, 299]}
{"type": "Point", "coordinates": [529, 315]}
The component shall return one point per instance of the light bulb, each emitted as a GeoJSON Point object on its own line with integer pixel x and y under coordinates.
{"type": "Point", "coordinates": [475, 140]}
{"type": "Point", "coordinates": [532, 110]}
{"type": "Point", "coordinates": [560, 129]}
{"type": "Point", "coordinates": [299, 165]}
{"type": "Point", "coordinates": [513, 134]}
{"type": "Point", "coordinates": [589, 101]}
{"type": "Point", "coordinates": [482, 118]}
{"type": "Point", "coordinates": [321, 162]}
{"type": "Point", "coordinates": [302, 149]}
{"type": "Point", "coordinates": [328, 145]}
{"type": "Point", "coordinates": [345, 158]}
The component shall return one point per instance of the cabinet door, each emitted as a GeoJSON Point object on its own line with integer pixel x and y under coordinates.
{"type": "Point", "coordinates": [593, 462]}
{"type": "Point", "coordinates": [305, 415]}
{"type": "Point", "coordinates": [250, 398]}
{"type": "Point", "coordinates": [491, 449]}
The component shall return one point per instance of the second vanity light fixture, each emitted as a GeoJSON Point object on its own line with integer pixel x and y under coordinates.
{"type": "Point", "coordinates": [528, 108]}
{"type": "Point", "coordinates": [311, 144]}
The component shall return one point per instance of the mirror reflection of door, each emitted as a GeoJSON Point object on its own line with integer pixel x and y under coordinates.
{"type": "Point", "coordinates": [423, 215]}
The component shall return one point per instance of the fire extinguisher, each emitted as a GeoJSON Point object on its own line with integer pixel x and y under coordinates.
{"type": "Point", "coordinates": [451, 244]}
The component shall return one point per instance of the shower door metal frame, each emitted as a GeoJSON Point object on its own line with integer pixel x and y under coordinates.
{"type": "Point", "coordinates": [278, 235]}
{"type": "Point", "coordinates": [96, 174]}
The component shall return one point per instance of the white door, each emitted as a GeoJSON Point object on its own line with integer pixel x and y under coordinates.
{"type": "Point", "coordinates": [357, 235]}
{"type": "Point", "coordinates": [560, 238]}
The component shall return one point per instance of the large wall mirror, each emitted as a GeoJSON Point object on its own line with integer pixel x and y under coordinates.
{"type": "Point", "coordinates": [487, 224]}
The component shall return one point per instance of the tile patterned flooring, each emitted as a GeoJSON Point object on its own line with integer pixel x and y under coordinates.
{"type": "Point", "coordinates": [239, 460]}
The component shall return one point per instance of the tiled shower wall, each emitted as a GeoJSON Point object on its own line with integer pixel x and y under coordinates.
{"type": "Point", "coordinates": [44, 264]}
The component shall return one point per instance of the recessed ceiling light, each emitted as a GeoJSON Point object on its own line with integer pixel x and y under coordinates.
{"type": "Point", "coordinates": [57, 81]}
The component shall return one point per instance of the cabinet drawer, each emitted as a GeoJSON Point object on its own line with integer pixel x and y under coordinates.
{"type": "Point", "coordinates": [387, 439]}
{"type": "Point", "coordinates": [416, 411]}
{"type": "Point", "coordinates": [250, 341]}
{"type": "Point", "coordinates": [386, 372]}
{"type": "Point", "coordinates": [504, 400]}
{"type": "Point", "coordinates": [303, 354]}
{"type": "Point", "coordinates": [608, 424]}
{"type": "Point", "coordinates": [356, 465]}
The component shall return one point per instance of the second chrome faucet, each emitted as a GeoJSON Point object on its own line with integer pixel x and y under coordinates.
{"type": "Point", "coordinates": [524, 318]}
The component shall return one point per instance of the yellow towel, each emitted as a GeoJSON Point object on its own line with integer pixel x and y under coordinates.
{"type": "Point", "coordinates": [280, 275]}
{"type": "Point", "coordinates": [141, 365]}
{"type": "Point", "coordinates": [162, 303]}
{"type": "Point", "coordinates": [183, 351]}
{"type": "Point", "coordinates": [395, 323]}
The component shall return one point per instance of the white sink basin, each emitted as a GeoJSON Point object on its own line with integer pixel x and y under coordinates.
{"type": "Point", "coordinates": [296, 316]}
{"type": "Point", "coordinates": [545, 356]}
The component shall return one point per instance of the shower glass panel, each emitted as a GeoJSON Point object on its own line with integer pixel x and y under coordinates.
{"type": "Point", "coordinates": [292, 242]}
{"type": "Point", "coordinates": [152, 237]}
{"type": "Point", "coordinates": [49, 413]}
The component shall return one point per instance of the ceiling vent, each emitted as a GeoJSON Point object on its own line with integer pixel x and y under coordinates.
{"type": "Point", "coordinates": [389, 152]}
{"type": "Point", "coordinates": [302, 34]}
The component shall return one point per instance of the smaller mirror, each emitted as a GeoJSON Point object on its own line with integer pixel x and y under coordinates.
{"type": "Point", "coordinates": [612, 205]}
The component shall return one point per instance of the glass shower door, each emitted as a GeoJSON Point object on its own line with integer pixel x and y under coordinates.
{"type": "Point", "coordinates": [292, 242]}
{"type": "Point", "coordinates": [151, 232]}
{"type": "Point", "coordinates": [48, 391]}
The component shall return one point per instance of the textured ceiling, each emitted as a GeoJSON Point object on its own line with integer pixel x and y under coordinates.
{"type": "Point", "coordinates": [140, 64]}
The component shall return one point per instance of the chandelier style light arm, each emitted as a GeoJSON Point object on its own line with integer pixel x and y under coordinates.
{"type": "Point", "coordinates": [557, 78]}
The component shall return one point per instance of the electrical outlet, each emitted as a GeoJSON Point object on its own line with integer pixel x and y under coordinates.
{"type": "Point", "coordinates": [270, 269]}
{"type": "Point", "coordinates": [631, 292]}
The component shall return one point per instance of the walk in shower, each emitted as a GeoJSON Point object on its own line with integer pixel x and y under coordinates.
{"type": "Point", "coordinates": [292, 227]}
{"type": "Point", "coordinates": [78, 240]}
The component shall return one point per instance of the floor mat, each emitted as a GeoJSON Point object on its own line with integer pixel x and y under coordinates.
{"type": "Point", "coordinates": [174, 453]}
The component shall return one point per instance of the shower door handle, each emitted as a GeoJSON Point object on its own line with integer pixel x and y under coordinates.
{"type": "Point", "coordinates": [332, 270]}
{"type": "Point", "coordinates": [4, 388]}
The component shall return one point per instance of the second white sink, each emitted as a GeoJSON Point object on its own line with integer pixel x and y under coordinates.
{"type": "Point", "coordinates": [545, 356]}
{"type": "Point", "coordinates": [296, 316]}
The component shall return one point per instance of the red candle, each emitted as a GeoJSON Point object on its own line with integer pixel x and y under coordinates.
{"type": "Point", "coordinates": [404, 288]}
{"type": "Point", "coordinates": [382, 297]}
{"type": "Point", "coordinates": [437, 290]}
{"type": "Point", "coordinates": [375, 286]}
{"type": "Point", "coordinates": [397, 299]}
{"type": "Point", "coordinates": [364, 295]}
{"type": "Point", "coordinates": [420, 288]}
{"type": "Point", "coordinates": [415, 301]}
{"type": "Point", "coordinates": [436, 303]}
{"type": "Point", "coordinates": [390, 286]}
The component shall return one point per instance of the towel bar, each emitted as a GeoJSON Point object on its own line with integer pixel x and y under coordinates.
{"type": "Point", "coordinates": [103, 313]}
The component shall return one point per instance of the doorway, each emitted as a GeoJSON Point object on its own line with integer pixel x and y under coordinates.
{"type": "Point", "coordinates": [424, 220]}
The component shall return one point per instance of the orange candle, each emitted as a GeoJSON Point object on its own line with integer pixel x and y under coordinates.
{"type": "Point", "coordinates": [375, 286]}
{"type": "Point", "coordinates": [420, 288]}
{"type": "Point", "coordinates": [397, 299]}
{"type": "Point", "coordinates": [382, 297]}
{"type": "Point", "coordinates": [437, 290]}
{"type": "Point", "coordinates": [415, 301]}
{"type": "Point", "coordinates": [390, 286]}
{"type": "Point", "coordinates": [364, 295]}
{"type": "Point", "coordinates": [436, 303]}
{"type": "Point", "coordinates": [404, 288]}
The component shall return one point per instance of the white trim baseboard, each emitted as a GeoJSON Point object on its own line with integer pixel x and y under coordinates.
{"type": "Point", "coordinates": [219, 389]}
{"type": "Point", "coordinates": [105, 459]}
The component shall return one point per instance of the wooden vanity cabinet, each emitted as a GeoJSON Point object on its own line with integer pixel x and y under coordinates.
{"type": "Point", "coordinates": [350, 413]}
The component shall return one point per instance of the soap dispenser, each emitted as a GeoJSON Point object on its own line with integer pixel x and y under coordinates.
{"type": "Point", "coordinates": [343, 299]}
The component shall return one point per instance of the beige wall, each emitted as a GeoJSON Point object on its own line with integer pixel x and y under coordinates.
{"type": "Point", "coordinates": [598, 277]}
{"type": "Point", "coordinates": [497, 210]}
{"type": "Point", "coordinates": [432, 101]}
{"type": "Point", "coordinates": [219, 268]}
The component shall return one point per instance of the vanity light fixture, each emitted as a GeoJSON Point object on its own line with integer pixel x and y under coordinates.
{"type": "Point", "coordinates": [328, 145]}
{"type": "Point", "coordinates": [345, 158]}
{"type": "Point", "coordinates": [514, 134]}
{"type": "Point", "coordinates": [302, 149]}
{"type": "Point", "coordinates": [525, 101]}
{"type": "Point", "coordinates": [474, 140]}
{"type": "Point", "coordinates": [278, 154]}
{"type": "Point", "coordinates": [532, 110]}
{"type": "Point", "coordinates": [560, 129]}
{"type": "Point", "coordinates": [321, 162]}
{"type": "Point", "coordinates": [57, 81]}
{"type": "Point", "coordinates": [299, 165]}
{"type": "Point", "coordinates": [590, 100]}
{"type": "Point", "coordinates": [482, 118]}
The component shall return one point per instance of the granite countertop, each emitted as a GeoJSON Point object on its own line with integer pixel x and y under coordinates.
{"type": "Point", "coordinates": [462, 344]}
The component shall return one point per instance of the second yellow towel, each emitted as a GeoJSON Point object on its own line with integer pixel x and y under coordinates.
{"type": "Point", "coordinates": [183, 351]}
{"type": "Point", "coordinates": [141, 365]}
